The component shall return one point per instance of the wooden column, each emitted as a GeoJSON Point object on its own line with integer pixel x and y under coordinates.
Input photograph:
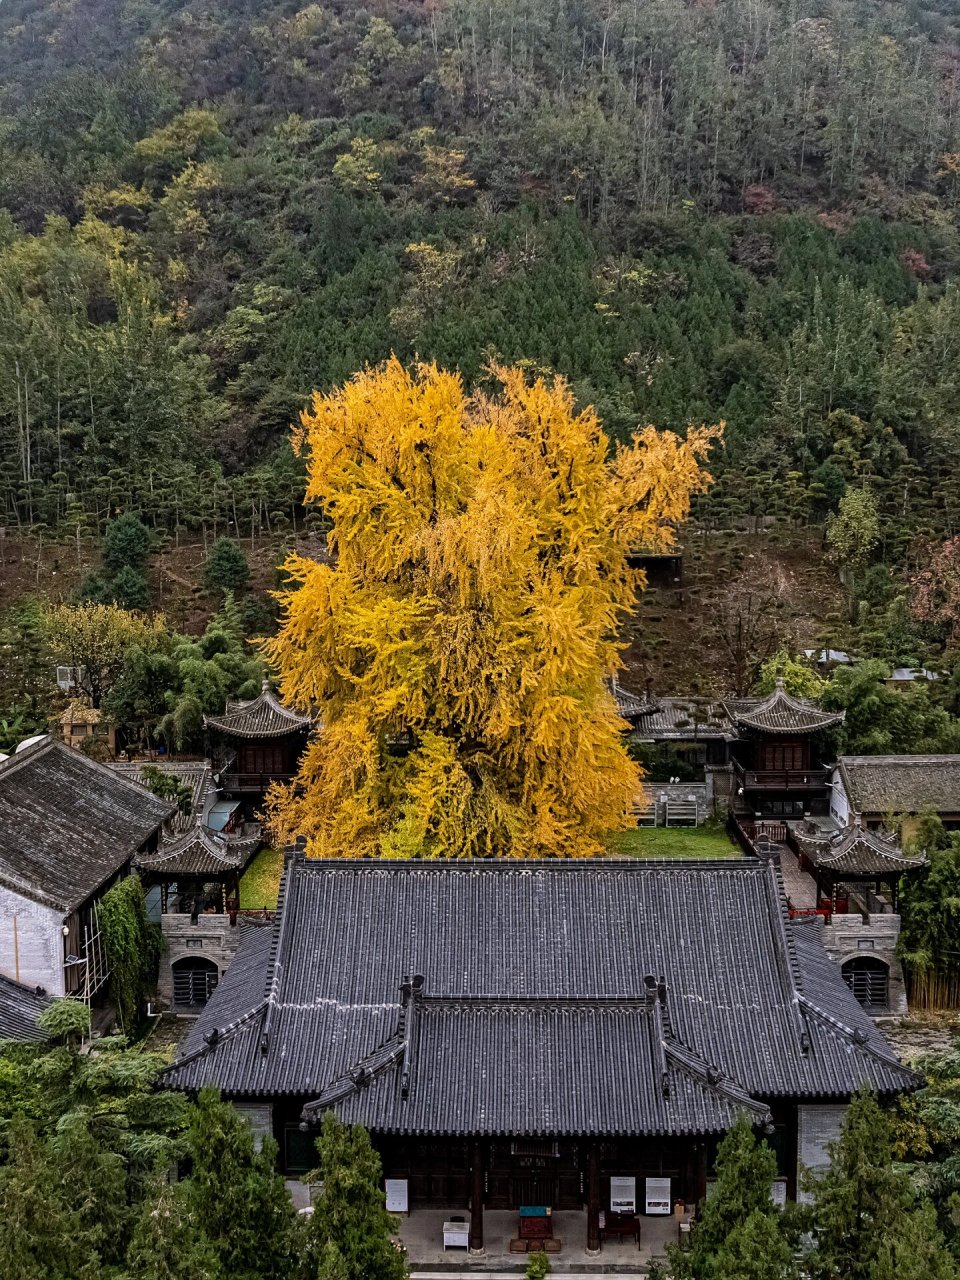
{"type": "Point", "coordinates": [593, 1199]}
{"type": "Point", "coordinates": [699, 1171]}
{"type": "Point", "coordinates": [476, 1199]}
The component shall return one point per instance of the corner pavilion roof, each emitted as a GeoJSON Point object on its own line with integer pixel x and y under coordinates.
{"type": "Point", "coordinates": [856, 852]}
{"type": "Point", "coordinates": [264, 716]}
{"type": "Point", "coordinates": [201, 852]}
{"type": "Point", "coordinates": [500, 1032]}
{"type": "Point", "coordinates": [781, 712]}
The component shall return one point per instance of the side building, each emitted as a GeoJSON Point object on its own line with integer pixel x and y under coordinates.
{"type": "Point", "coordinates": [875, 789]}
{"type": "Point", "coordinates": [522, 1033]}
{"type": "Point", "coordinates": [71, 828]}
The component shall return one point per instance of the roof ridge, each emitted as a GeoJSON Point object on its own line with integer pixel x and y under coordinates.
{"type": "Point", "coordinates": [786, 951]}
{"type": "Point", "coordinates": [212, 1038]}
{"type": "Point", "coordinates": [859, 1037]}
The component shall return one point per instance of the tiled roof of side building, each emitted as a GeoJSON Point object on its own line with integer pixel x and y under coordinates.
{"type": "Point", "coordinates": [901, 784]}
{"type": "Point", "coordinates": [20, 1007]}
{"type": "Point", "coordinates": [68, 823]}
{"type": "Point", "coordinates": [500, 1011]}
{"type": "Point", "coordinates": [781, 712]}
{"type": "Point", "coordinates": [682, 719]}
{"type": "Point", "coordinates": [195, 774]}
{"type": "Point", "coordinates": [264, 716]}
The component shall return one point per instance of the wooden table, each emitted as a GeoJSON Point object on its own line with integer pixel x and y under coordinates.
{"type": "Point", "coordinates": [621, 1225]}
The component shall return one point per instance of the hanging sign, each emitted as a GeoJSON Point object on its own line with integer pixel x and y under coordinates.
{"type": "Point", "coordinates": [623, 1195]}
{"type": "Point", "coordinates": [658, 1195]}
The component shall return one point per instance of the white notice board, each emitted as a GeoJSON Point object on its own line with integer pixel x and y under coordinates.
{"type": "Point", "coordinates": [658, 1196]}
{"type": "Point", "coordinates": [623, 1195]}
{"type": "Point", "coordinates": [397, 1198]}
{"type": "Point", "coordinates": [778, 1192]}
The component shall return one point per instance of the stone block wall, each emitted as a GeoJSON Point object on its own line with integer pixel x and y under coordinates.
{"type": "Point", "coordinates": [31, 942]}
{"type": "Point", "coordinates": [212, 937]}
{"type": "Point", "coordinates": [849, 936]}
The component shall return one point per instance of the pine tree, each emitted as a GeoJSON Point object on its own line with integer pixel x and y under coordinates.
{"type": "Point", "coordinates": [129, 589]}
{"type": "Point", "coordinates": [235, 1191]}
{"type": "Point", "coordinates": [226, 568]}
{"type": "Point", "coordinates": [42, 1238]}
{"type": "Point", "coordinates": [471, 614]}
{"type": "Point", "coordinates": [126, 544]}
{"type": "Point", "coordinates": [168, 1244]}
{"type": "Point", "coordinates": [737, 1218]}
{"type": "Point", "coordinates": [869, 1224]}
{"type": "Point", "coordinates": [350, 1218]}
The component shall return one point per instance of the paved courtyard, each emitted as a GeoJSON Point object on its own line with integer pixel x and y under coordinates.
{"type": "Point", "coordinates": [422, 1236]}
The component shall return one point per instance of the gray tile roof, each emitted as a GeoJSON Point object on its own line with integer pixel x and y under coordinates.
{"type": "Point", "coordinates": [781, 712]}
{"type": "Point", "coordinates": [68, 824]}
{"type": "Point", "coordinates": [262, 717]}
{"type": "Point", "coordinates": [855, 852]}
{"type": "Point", "coordinates": [533, 972]}
{"type": "Point", "coordinates": [195, 774]}
{"type": "Point", "coordinates": [201, 852]}
{"type": "Point", "coordinates": [683, 719]}
{"type": "Point", "coordinates": [901, 784]}
{"type": "Point", "coordinates": [20, 1007]}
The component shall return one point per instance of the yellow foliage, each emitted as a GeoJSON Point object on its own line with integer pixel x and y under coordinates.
{"type": "Point", "coordinates": [460, 643]}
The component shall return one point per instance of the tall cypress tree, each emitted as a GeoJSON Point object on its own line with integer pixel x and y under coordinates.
{"type": "Point", "coordinates": [869, 1224]}
{"type": "Point", "coordinates": [350, 1218]}
{"type": "Point", "coordinates": [737, 1235]}
{"type": "Point", "coordinates": [235, 1191]}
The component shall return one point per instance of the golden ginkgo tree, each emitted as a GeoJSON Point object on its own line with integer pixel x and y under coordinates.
{"type": "Point", "coordinates": [459, 644]}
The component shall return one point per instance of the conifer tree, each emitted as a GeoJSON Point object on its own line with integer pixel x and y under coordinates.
{"type": "Point", "coordinates": [869, 1224]}
{"type": "Point", "coordinates": [737, 1235]}
{"type": "Point", "coordinates": [460, 644]}
{"type": "Point", "coordinates": [235, 1191]}
{"type": "Point", "coordinates": [167, 1244]}
{"type": "Point", "coordinates": [349, 1235]}
{"type": "Point", "coordinates": [42, 1237]}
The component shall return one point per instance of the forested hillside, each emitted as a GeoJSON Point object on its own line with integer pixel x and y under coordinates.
{"type": "Point", "coordinates": [693, 210]}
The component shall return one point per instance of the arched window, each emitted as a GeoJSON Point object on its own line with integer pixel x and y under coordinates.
{"type": "Point", "coordinates": [194, 980]}
{"type": "Point", "coordinates": [869, 980]}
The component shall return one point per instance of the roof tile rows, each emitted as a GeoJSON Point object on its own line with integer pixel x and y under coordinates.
{"type": "Point", "coordinates": [534, 1016]}
{"type": "Point", "coordinates": [20, 1007]}
{"type": "Point", "coordinates": [855, 852]}
{"type": "Point", "coordinates": [879, 785]}
{"type": "Point", "coordinates": [68, 824]}
{"type": "Point", "coordinates": [261, 717]}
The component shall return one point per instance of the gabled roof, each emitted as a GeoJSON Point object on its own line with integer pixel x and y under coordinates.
{"type": "Point", "coordinates": [511, 1021]}
{"type": "Point", "coordinates": [630, 705]}
{"type": "Point", "coordinates": [261, 717]}
{"type": "Point", "coordinates": [781, 712]}
{"type": "Point", "coordinates": [680, 719]}
{"type": "Point", "coordinates": [201, 852]}
{"type": "Point", "coordinates": [20, 1007]}
{"type": "Point", "coordinates": [856, 852]}
{"type": "Point", "coordinates": [195, 774]}
{"type": "Point", "coordinates": [68, 824]}
{"type": "Point", "coordinates": [901, 784]}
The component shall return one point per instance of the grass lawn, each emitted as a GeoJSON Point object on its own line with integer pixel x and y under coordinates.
{"type": "Point", "coordinates": [710, 841]}
{"type": "Point", "coordinates": [260, 883]}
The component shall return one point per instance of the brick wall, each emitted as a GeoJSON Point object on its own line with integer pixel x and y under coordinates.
{"type": "Point", "coordinates": [31, 942]}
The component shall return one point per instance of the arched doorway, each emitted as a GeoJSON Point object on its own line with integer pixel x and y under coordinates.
{"type": "Point", "coordinates": [194, 980]}
{"type": "Point", "coordinates": [869, 980]}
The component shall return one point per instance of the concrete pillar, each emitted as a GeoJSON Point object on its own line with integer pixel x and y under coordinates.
{"type": "Point", "coordinates": [476, 1200]}
{"type": "Point", "coordinates": [593, 1199]}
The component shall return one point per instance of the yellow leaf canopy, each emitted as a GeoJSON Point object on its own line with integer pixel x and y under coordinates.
{"type": "Point", "coordinates": [460, 641]}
